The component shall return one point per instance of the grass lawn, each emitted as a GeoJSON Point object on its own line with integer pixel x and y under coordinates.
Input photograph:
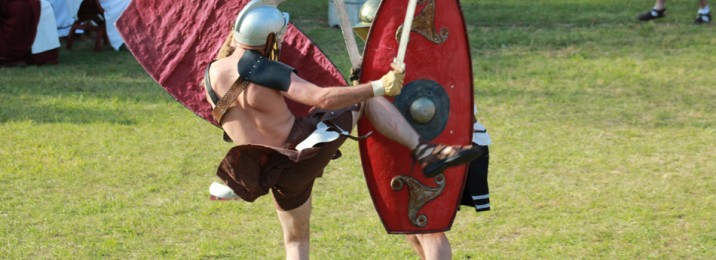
{"type": "Point", "coordinates": [603, 134]}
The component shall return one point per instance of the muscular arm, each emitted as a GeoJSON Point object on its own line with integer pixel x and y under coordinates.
{"type": "Point", "coordinates": [307, 93]}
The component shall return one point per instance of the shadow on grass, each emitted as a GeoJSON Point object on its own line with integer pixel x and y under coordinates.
{"type": "Point", "coordinates": [107, 80]}
{"type": "Point", "coordinates": [84, 73]}
{"type": "Point", "coordinates": [13, 110]}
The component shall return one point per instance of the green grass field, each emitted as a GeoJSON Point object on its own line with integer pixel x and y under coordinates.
{"type": "Point", "coordinates": [603, 135]}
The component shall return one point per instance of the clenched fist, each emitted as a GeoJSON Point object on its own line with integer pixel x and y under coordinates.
{"type": "Point", "coordinates": [392, 82]}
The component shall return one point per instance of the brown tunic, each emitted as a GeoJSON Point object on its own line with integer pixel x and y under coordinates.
{"type": "Point", "coordinates": [251, 170]}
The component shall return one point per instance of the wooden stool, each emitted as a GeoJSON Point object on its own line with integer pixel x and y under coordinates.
{"type": "Point", "coordinates": [90, 18]}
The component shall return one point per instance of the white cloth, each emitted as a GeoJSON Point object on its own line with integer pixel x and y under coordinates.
{"type": "Point", "coordinates": [66, 14]}
{"type": "Point", "coordinates": [479, 132]}
{"type": "Point", "coordinates": [480, 135]}
{"type": "Point", "coordinates": [112, 10]}
{"type": "Point", "coordinates": [46, 37]}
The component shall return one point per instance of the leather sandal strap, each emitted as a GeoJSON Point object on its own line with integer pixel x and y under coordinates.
{"type": "Point", "coordinates": [426, 153]}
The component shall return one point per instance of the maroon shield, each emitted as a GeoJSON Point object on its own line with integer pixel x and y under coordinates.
{"type": "Point", "coordinates": [437, 101]}
{"type": "Point", "coordinates": [175, 40]}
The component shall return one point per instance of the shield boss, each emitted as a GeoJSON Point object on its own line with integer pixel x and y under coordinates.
{"type": "Point", "coordinates": [426, 106]}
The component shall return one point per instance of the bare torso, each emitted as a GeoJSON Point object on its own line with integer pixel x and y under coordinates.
{"type": "Point", "coordinates": [259, 115]}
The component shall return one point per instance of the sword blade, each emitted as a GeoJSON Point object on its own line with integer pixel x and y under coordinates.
{"type": "Point", "coordinates": [348, 37]}
{"type": "Point", "coordinates": [405, 34]}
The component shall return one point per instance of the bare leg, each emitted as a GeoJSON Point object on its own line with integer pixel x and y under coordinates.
{"type": "Point", "coordinates": [702, 3]}
{"type": "Point", "coordinates": [659, 5]}
{"type": "Point", "coordinates": [435, 158]}
{"type": "Point", "coordinates": [296, 228]}
{"type": "Point", "coordinates": [389, 122]}
{"type": "Point", "coordinates": [413, 241]}
{"type": "Point", "coordinates": [435, 246]}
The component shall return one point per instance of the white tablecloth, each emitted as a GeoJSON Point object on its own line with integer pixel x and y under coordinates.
{"type": "Point", "coordinates": [66, 13]}
{"type": "Point", "coordinates": [46, 37]}
{"type": "Point", "coordinates": [64, 16]}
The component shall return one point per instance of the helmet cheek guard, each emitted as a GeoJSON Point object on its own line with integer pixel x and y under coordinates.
{"type": "Point", "coordinates": [273, 47]}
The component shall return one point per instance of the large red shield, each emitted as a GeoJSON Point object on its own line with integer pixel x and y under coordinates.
{"type": "Point", "coordinates": [438, 80]}
{"type": "Point", "coordinates": [175, 40]}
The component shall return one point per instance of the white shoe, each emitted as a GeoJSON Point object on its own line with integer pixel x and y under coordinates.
{"type": "Point", "coordinates": [220, 191]}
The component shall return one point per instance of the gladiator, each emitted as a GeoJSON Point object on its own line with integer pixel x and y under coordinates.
{"type": "Point", "coordinates": [279, 152]}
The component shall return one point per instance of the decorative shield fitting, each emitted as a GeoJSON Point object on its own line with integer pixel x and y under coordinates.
{"type": "Point", "coordinates": [420, 194]}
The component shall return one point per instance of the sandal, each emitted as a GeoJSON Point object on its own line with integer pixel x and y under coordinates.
{"type": "Point", "coordinates": [653, 14]}
{"type": "Point", "coordinates": [435, 158]}
{"type": "Point", "coordinates": [703, 18]}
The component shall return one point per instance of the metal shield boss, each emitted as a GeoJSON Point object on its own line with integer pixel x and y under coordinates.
{"type": "Point", "coordinates": [437, 100]}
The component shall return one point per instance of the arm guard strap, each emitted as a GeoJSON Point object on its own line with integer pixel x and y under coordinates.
{"type": "Point", "coordinates": [268, 73]}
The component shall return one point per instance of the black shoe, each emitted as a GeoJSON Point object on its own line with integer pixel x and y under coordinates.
{"type": "Point", "coordinates": [703, 18]}
{"type": "Point", "coordinates": [651, 15]}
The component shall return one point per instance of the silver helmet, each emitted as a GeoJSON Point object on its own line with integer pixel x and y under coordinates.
{"type": "Point", "coordinates": [257, 20]}
{"type": "Point", "coordinates": [366, 16]}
